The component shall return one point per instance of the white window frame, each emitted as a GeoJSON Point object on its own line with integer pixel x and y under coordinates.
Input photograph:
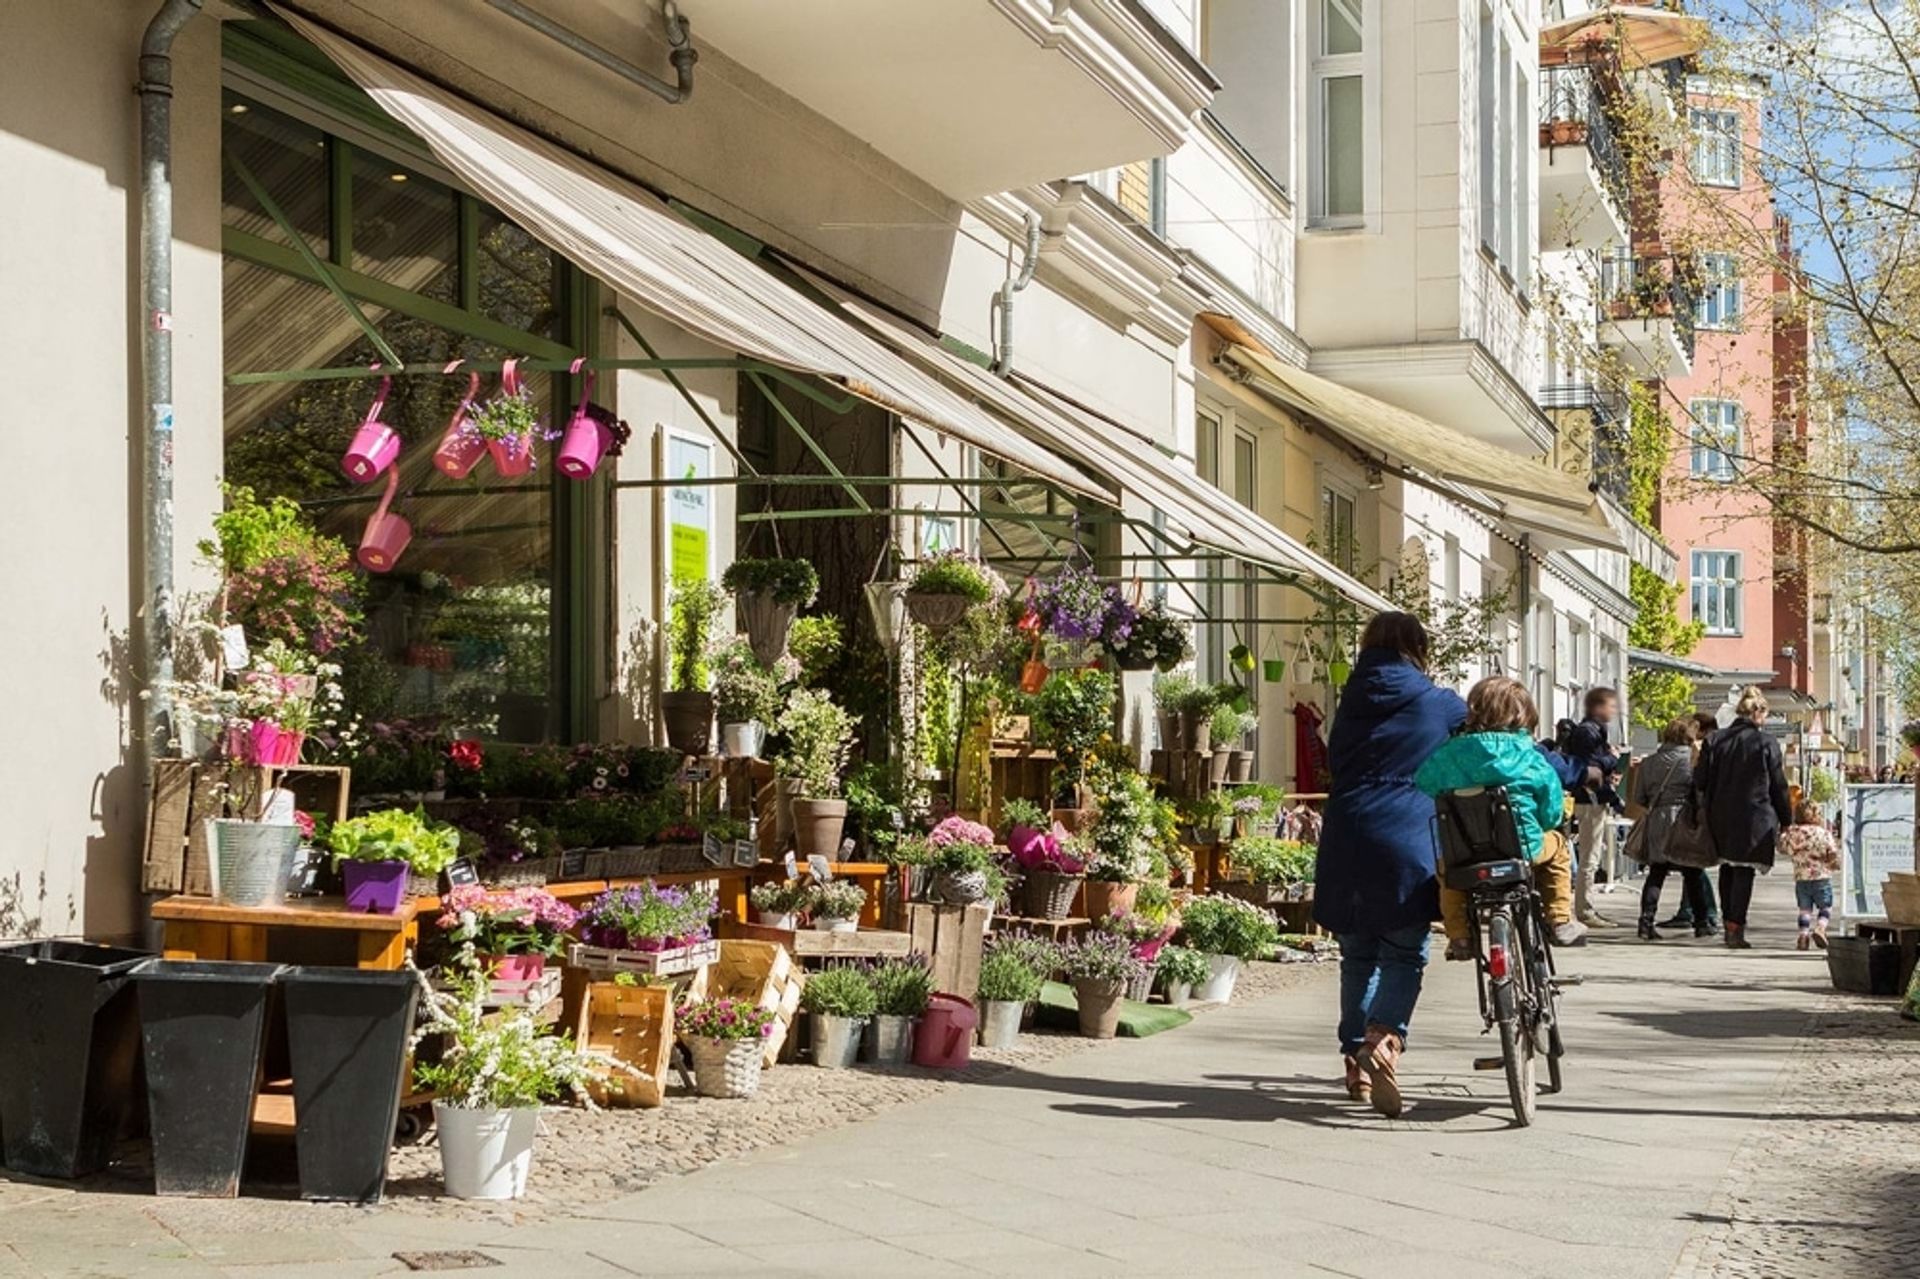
{"type": "Point", "coordinates": [1713, 153]}
{"type": "Point", "coordinates": [1321, 68]}
{"type": "Point", "coordinates": [1719, 572]}
{"type": "Point", "coordinates": [1720, 293]}
{"type": "Point", "coordinates": [1715, 435]}
{"type": "Point", "coordinates": [1331, 492]}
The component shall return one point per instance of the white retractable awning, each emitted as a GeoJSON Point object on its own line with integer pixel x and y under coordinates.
{"type": "Point", "coordinates": [629, 238]}
{"type": "Point", "coordinates": [1209, 517]}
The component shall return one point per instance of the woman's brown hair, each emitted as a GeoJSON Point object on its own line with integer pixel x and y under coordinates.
{"type": "Point", "coordinates": [1679, 732]}
{"type": "Point", "coordinates": [1400, 632]}
{"type": "Point", "coordinates": [1500, 705]}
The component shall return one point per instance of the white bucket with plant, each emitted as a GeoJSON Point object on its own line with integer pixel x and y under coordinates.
{"type": "Point", "coordinates": [1228, 932]}
{"type": "Point", "coordinates": [778, 903]}
{"type": "Point", "coordinates": [836, 906]}
{"type": "Point", "coordinates": [1179, 971]}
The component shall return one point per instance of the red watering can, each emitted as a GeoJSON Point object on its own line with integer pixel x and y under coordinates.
{"type": "Point", "coordinates": [944, 1040]}
{"type": "Point", "coordinates": [461, 448]}
{"type": "Point", "coordinates": [386, 535]}
{"type": "Point", "coordinates": [585, 440]}
{"type": "Point", "coordinates": [375, 445]}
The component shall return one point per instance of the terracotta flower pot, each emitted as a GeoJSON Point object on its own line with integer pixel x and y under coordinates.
{"type": "Point", "coordinates": [1104, 897]}
{"type": "Point", "coordinates": [1099, 1007]}
{"type": "Point", "coordinates": [1218, 764]}
{"type": "Point", "coordinates": [817, 827]}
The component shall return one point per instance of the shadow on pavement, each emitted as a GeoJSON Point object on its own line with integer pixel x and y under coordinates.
{"type": "Point", "coordinates": [1715, 1023]}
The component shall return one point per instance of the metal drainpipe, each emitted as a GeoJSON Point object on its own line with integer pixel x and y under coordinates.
{"type": "Point", "coordinates": [1003, 359]}
{"type": "Point", "coordinates": [155, 88]}
{"type": "Point", "coordinates": [1526, 613]}
{"type": "Point", "coordinates": [680, 50]}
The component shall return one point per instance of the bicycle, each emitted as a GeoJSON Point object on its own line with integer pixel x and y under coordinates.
{"type": "Point", "coordinates": [1519, 990]}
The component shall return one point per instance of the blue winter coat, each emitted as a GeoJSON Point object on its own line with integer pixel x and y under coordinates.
{"type": "Point", "coordinates": [1374, 872]}
{"type": "Point", "coordinates": [1508, 759]}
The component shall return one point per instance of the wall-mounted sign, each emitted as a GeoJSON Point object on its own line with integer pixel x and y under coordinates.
{"type": "Point", "coordinates": [689, 508]}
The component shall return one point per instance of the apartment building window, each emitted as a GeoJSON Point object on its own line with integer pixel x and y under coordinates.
{"type": "Point", "coordinates": [1506, 137]}
{"type": "Point", "coordinates": [1206, 447]}
{"type": "Point", "coordinates": [1340, 115]}
{"type": "Point", "coordinates": [1141, 189]}
{"type": "Point", "coordinates": [1719, 304]}
{"type": "Point", "coordinates": [1716, 591]}
{"type": "Point", "coordinates": [1715, 155]}
{"type": "Point", "coordinates": [1716, 438]}
{"type": "Point", "coordinates": [1211, 636]}
{"type": "Point", "coordinates": [1340, 528]}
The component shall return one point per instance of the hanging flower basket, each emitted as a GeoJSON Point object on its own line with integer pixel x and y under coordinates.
{"type": "Point", "coordinates": [939, 613]}
{"type": "Point", "coordinates": [766, 622]}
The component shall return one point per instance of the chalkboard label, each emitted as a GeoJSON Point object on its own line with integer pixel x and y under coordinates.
{"type": "Point", "coordinates": [745, 852]}
{"type": "Point", "coordinates": [713, 850]}
{"type": "Point", "coordinates": [462, 873]}
{"type": "Point", "coordinates": [573, 864]}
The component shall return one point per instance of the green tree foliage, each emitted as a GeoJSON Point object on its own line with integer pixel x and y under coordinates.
{"type": "Point", "coordinates": [1656, 697]}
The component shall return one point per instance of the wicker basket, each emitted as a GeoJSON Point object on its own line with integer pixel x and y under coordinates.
{"type": "Point", "coordinates": [1050, 894]}
{"type": "Point", "coordinates": [1141, 988]}
{"type": "Point", "coordinates": [535, 872]}
{"type": "Point", "coordinates": [724, 1067]}
{"type": "Point", "coordinates": [632, 863]}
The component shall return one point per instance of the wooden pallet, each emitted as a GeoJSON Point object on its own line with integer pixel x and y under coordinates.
{"type": "Point", "coordinates": [634, 1025]}
{"type": "Point", "coordinates": [951, 937]}
{"type": "Point", "coordinates": [1057, 929]}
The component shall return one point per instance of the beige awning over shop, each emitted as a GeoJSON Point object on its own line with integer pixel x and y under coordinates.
{"type": "Point", "coordinates": [629, 238]}
{"type": "Point", "coordinates": [1647, 35]}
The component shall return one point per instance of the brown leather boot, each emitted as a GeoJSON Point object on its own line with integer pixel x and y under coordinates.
{"type": "Point", "coordinates": [1378, 1057]}
{"type": "Point", "coordinates": [1358, 1087]}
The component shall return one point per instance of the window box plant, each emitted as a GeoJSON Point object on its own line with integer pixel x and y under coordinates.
{"type": "Point", "coordinates": [659, 929]}
{"type": "Point", "coordinates": [946, 585]}
{"type": "Point", "coordinates": [838, 1001]}
{"type": "Point", "coordinates": [819, 738]}
{"type": "Point", "coordinates": [515, 931]}
{"type": "Point", "coordinates": [777, 904]}
{"type": "Point", "coordinates": [769, 593]}
{"type": "Point", "coordinates": [1101, 967]}
{"type": "Point", "coordinates": [379, 851]}
{"type": "Point", "coordinates": [687, 705]}
{"type": "Point", "coordinates": [902, 988]}
{"type": "Point", "coordinates": [1179, 970]}
{"type": "Point", "coordinates": [1228, 932]}
{"type": "Point", "coordinates": [746, 695]}
{"type": "Point", "coordinates": [726, 1039]}
{"type": "Point", "coordinates": [836, 905]}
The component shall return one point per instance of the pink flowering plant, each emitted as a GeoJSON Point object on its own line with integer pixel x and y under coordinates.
{"type": "Point", "coordinates": [507, 921]}
{"type": "Point", "coordinates": [648, 917]}
{"type": "Point", "coordinates": [723, 1018]}
{"type": "Point", "coordinates": [284, 579]}
{"type": "Point", "coordinates": [1145, 935]}
{"type": "Point", "coordinates": [958, 830]}
{"type": "Point", "coordinates": [1051, 850]}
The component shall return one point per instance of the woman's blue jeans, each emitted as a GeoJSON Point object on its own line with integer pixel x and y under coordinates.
{"type": "Point", "coordinates": [1379, 981]}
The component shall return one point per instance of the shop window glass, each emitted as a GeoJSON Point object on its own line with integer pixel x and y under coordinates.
{"type": "Point", "coordinates": [519, 277]}
{"type": "Point", "coordinates": [289, 157]}
{"type": "Point", "coordinates": [406, 227]}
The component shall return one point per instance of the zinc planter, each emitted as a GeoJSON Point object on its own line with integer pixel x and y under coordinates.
{"type": "Point", "coordinates": [347, 1034]}
{"type": "Point", "coordinates": [888, 1039]}
{"type": "Point", "coordinates": [1099, 1005]}
{"type": "Point", "coordinates": [202, 1023]}
{"type": "Point", "coordinates": [1179, 994]}
{"type": "Point", "coordinates": [818, 825]}
{"type": "Point", "coordinates": [725, 1067]}
{"type": "Point", "coordinates": [833, 924]}
{"type": "Point", "coordinates": [69, 1050]}
{"type": "Point", "coordinates": [486, 1154]}
{"type": "Point", "coordinates": [743, 740]}
{"type": "Point", "coordinates": [689, 718]}
{"type": "Point", "coordinates": [836, 1040]}
{"type": "Point", "coordinates": [1218, 989]}
{"type": "Point", "coordinates": [1104, 898]}
{"type": "Point", "coordinates": [1000, 1022]}
{"type": "Point", "coordinates": [252, 860]}
{"type": "Point", "coordinates": [374, 888]}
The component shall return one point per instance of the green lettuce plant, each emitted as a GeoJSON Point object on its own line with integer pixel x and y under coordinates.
{"type": "Point", "coordinates": [394, 834]}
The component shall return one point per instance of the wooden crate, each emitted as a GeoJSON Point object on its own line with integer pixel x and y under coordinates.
{"type": "Point", "coordinates": [805, 943]}
{"type": "Point", "coordinates": [1055, 929]}
{"type": "Point", "coordinates": [762, 973]}
{"type": "Point", "coordinates": [651, 963]}
{"type": "Point", "coordinates": [951, 937]}
{"type": "Point", "coordinates": [1901, 897]}
{"type": "Point", "coordinates": [633, 1025]}
{"type": "Point", "coordinates": [187, 793]}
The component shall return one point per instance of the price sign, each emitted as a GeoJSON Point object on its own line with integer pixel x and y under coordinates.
{"type": "Point", "coordinates": [462, 873]}
{"type": "Point", "coordinates": [573, 864]}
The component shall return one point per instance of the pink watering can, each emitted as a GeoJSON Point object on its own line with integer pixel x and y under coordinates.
{"type": "Point", "coordinates": [387, 534]}
{"type": "Point", "coordinates": [586, 440]}
{"type": "Point", "coordinates": [944, 1039]}
{"type": "Point", "coordinates": [512, 457]}
{"type": "Point", "coordinates": [375, 445]}
{"type": "Point", "coordinates": [461, 448]}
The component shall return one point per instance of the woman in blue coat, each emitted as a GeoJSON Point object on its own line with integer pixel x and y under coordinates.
{"type": "Point", "coordinates": [1374, 882]}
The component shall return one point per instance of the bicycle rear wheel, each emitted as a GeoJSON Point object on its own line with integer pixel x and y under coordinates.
{"type": "Point", "coordinates": [1516, 1036]}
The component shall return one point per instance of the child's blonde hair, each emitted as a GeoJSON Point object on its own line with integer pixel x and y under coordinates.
{"type": "Point", "coordinates": [1808, 814]}
{"type": "Point", "coordinates": [1500, 705]}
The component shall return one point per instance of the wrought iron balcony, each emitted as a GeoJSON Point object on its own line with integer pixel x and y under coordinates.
{"type": "Point", "coordinates": [1654, 291]}
{"type": "Point", "coordinates": [1574, 111]}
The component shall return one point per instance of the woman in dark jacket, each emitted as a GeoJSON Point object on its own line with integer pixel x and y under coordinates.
{"type": "Point", "coordinates": [1742, 782]}
{"type": "Point", "coordinates": [1374, 883]}
{"type": "Point", "coordinates": [1661, 785]}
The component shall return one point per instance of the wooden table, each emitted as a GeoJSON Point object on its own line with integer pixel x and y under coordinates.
{"type": "Point", "coordinates": [202, 928]}
{"type": "Point", "coordinates": [733, 882]}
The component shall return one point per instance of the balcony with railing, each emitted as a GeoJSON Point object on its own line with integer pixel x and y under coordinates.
{"type": "Point", "coordinates": [1583, 164]}
{"type": "Point", "coordinates": [1646, 307]}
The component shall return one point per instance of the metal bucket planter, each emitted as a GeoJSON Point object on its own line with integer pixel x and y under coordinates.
{"type": "Point", "coordinates": [69, 1044]}
{"type": "Point", "coordinates": [1050, 894]}
{"type": "Point", "coordinates": [1000, 1022]}
{"type": "Point", "coordinates": [818, 825]}
{"type": "Point", "coordinates": [1099, 1006]}
{"type": "Point", "coordinates": [1240, 768]}
{"type": "Point", "coordinates": [202, 1023]}
{"type": "Point", "coordinates": [766, 624]}
{"type": "Point", "coordinates": [743, 740]}
{"type": "Point", "coordinates": [836, 1040]}
{"type": "Point", "coordinates": [725, 1067]}
{"type": "Point", "coordinates": [486, 1154]}
{"type": "Point", "coordinates": [689, 719]}
{"type": "Point", "coordinates": [1218, 988]}
{"type": "Point", "coordinates": [888, 1039]}
{"type": "Point", "coordinates": [347, 1034]}
{"type": "Point", "coordinates": [1179, 994]}
{"type": "Point", "coordinates": [252, 860]}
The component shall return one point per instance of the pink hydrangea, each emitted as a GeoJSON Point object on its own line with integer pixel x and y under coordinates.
{"type": "Point", "coordinates": [958, 830]}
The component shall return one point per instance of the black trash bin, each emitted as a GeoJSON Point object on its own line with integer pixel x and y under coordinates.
{"type": "Point", "coordinates": [347, 1033]}
{"type": "Point", "coordinates": [69, 1048]}
{"type": "Point", "coordinates": [201, 1025]}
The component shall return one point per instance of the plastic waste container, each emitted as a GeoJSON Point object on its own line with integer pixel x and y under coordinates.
{"type": "Point", "coordinates": [347, 1033]}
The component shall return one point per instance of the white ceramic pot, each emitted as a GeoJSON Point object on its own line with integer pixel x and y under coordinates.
{"type": "Point", "coordinates": [1218, 988]}
{"type": "Point", "coordinates": [828, 924]}
{"type": "Point", "coordinates": [486, 1154]}
{"type": "Point", "coordinates": [1000, 1022]}
{"type": "Point", "coordinates": [773, 919]}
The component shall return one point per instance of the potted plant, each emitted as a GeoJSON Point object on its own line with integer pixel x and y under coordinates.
{"type": "Point", "coordinates": [726, 1039]}
{"type": "Point", "coordinates": [1275, 869]}
{"type": "Point", "coordinates": [902, 988]}
{"type": "Point", "coordinates": [1073, 713]}
{"type": "Point", "coordinates": [1051, 864]}
{"type": "Point", "coordinates": [1081, 613]}
{"type": "Point", "coordinates": [1179, 970]}
{"type": "Point", "coordinates": [778, 903]}
{"type": "Point", "coordinates": [945, 585]}
{"type": "Point", "coordinates": [509, 423]}
{"type": "Point", "coordinates": [1223, 727]}
{"type": "Point", "coordinates": [495, 1070]}
{"type": "Point", "coordinates": [252, 860]}
{"type": "Point", "coordinates": [836, 905]}
{"type": "Point", "coordinates": [819, 737]}
{"type": "Point", "coordinates": [1147, 937]}
{"type": "Point", "coordinates": [1240, 767]}
{"type": "Point", "coordinates": [961, 862]}
{"type": "Point", "coordinates": [838, 1001]}
{"type": "Point", "coordinates": [746, 696]}
{"type": "Point", "coordinates": [687, 706]}
{"type": "Point", "coordinates": [1008, 982]}
{"type": "Point", "coordinates": [1120, 842]}
{"type": "Point", "coordinates": [379, 851]}
{"type": "Point", "coordinates": [1254, 808]}
{"type": "Point", "coordinates": [1202, 818]}
{"type": "Point", "coordinates": [661, 928]}
{"type": "Point", "coordinates": [1100, 966]}
{"type": "Point", "coordinates": [515, 931]}
{"type": "Point", "coordinates": [1228, 932]}
{"type": "Point", "coordinates": [1156, 639]}
{"type": "Point", "coordinates": [768, 594]}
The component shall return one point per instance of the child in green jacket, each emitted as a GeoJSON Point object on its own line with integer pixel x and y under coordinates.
{"type": "Point", "coordinates": [1495, 748]}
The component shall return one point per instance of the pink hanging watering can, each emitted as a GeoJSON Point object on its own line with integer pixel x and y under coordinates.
{"type": "Point", "coordinates": [386, 535]}
{"type": "Point", "coordinates": [514, 456]}
{"type": "Point", "coordinates": [586, 440]}
{"type": "Point", "coordinates": [461, 448]}
{"type": "Point", "coordinates": [375, 445]}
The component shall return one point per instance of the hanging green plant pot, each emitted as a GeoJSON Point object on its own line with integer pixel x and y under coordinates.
{"type": "Point", "coordinates": [1274, 669]}
{"type": "Point", "coordinates": [1242, 657]}
{"type": "Point", "coordinates": [1337, 671]}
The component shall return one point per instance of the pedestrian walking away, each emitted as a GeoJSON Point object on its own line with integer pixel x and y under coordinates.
{"type": "Point", "coordinates": [1661, 787]}
{"type": "Point", "coordinates": [1588, 744]}
{"type": "Point", "coordinates": [1742, 782]}
{"type": "Point", "coordinates": [1815, 856]}
{"type": "Point", "coordinates": [1375, 886]}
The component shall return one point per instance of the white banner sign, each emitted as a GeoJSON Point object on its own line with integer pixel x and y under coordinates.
{"type": "Point", "coordinates": [1878, 838]}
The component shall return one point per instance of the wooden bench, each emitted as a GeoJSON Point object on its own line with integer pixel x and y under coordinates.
{"type": "Point", "coordinates": [202, 928]}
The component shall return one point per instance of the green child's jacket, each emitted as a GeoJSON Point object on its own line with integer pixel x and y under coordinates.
{"type": "Point", "coordinates": [1508, 759]}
